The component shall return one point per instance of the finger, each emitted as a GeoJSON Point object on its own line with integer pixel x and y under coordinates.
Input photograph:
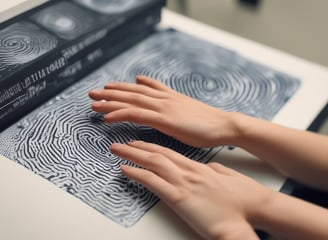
{"type": "Point", "coordinates": [152, 83]}
{"type": "Point", "coordinates": [96, 94]}
{"type": "Point", "coordinates": [105, 107]}
{"type": "Point", "coordinates": [138, 115]}
{"type": "Point", "coordinates": [150, 180]}
{"type": "Point", "coordinates": [221, 169]}
{"type": "Point", "coordinates": [134, 88]}
{"type": "Point", "coordinates": [175, 157]}
{"type": "Point", "coordinates": [124, 97]}
{"type": "Point", "coordinates": [152, 161]}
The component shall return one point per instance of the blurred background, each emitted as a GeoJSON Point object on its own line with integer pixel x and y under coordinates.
{"type": "Point", "coordinates": [294, 26]}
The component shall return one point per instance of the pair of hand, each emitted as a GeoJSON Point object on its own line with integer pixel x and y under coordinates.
{"type": "Point", "coordinates": [151, 103]}
{"type": "Point", "coordinates": [216, 201]}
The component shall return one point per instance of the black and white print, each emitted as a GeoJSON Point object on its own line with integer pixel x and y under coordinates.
{"type": "Point", "coordinates": [66, 20]}
{"type": "Point", "coordinates": [21, 43]}
{"type": "Point", "coordinates": [68, 144]}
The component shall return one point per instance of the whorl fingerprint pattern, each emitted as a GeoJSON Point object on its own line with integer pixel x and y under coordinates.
{"type": "Point", "coordinates": [211, 74]}
{"type": "Point", "coordinates": [22, 42]}
{"type": "Point", "coordinates": [66, 20]}
{"type": "Point", "coordinates": [111, 6]}
{"type": "Point", "coordinates": [68, 144]}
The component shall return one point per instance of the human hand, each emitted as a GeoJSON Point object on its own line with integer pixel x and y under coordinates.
{"type": "Point", "coordinates": [151, 103]}
{"type": "Point", "coordinates": [217, 202]}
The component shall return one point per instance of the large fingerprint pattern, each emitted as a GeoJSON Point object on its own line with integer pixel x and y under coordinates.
{"type": "Point", "coordinates": [211, 74]}
{"type": "Point", "coordinates": [66, 20]}
{"type": "Point", "coordinates": [22, 42]}
{"type": "Point", "coordinates": [111, 6]}
{"type": "Point", "coordinates": [68, 144]}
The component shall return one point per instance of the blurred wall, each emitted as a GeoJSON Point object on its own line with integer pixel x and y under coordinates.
{"type": "Point", "coordinates": [294, 26]}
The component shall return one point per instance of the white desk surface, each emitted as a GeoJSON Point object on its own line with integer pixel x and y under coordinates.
{"type": "Point", "coordinates": [34, 208]}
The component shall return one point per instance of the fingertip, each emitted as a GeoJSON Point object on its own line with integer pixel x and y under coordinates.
{"type": "Point", "coordinates": [96, 105]}
{"type": "Point", "coordinates": [135, 142]}
{"type": "Point", "coordinates": [139, 76]}
{"type": "Point", "coordinates": [143, 78]}
{"type": "Point", "coordinates": [118, 149]}
{"type": "Point", "coordinates": [95, 91]}
{"type": "Point", "coordinates": [124, 167]}
{"type": "Point", "coordinates": [91, 93]}
{"type": "Point", "coordinates": [109, 85]}
{"type": "Point", "coordinates": [126, 170]}
{"type": "Point", "coordinates": [108, 117]}
{"type": "Point", "coordinates": [94, 94]}
{"type": "Point", "coordinates": [114, 145]}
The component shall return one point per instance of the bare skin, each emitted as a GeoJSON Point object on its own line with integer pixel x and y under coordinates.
{"type": "Point", "coordinates": [233, 200]}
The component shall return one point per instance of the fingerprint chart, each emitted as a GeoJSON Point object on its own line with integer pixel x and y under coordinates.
{"type": "Point", "coordinates": [22, 42]}
{"type": "Point", "coordinates": [111, 6]}
{"type": "Point", "coordinates": [66, 20]}
{"type": "Point", "coordinates": [68, 144]}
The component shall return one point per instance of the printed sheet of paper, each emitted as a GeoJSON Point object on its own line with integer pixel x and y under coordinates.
{"type": "Point", "coordinates": [67, 143]}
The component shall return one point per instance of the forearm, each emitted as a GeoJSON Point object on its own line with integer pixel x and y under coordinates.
{"type": "Point", "coordinates": [290, 218]}
{"type": "Point", "coordinates": [299, 154]}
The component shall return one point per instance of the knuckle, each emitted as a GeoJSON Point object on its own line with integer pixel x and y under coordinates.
{"type": "Point", "coordinates": [166, 152]}
{"type": "Point", "coordinates": [148, 175]}
{"type": "Point", "coordinates": [218, 167]}
{"type": "Point", "coordinates": [107, 95]}
{"type": "Point", "coordinates": [179, 196]}
{"type": "Point", "coordinates": [133, 97]}
{"type": "Point", "coordinates": [96, 105]}
{"type": "Point", "coordinates": [193, 178]}
{"type": "Point", "coordinates": [142, 87]}
{"type": "Point", "coordinates": [213, 164]}
{"type": "Point", "coordinates": [186, 188]}
{"type": "Point", "coordinates": [163, 104]}
{"type": "Point", "coordinates": [135, 114]}
{"type": "Point", "coordinates": [155, 156]}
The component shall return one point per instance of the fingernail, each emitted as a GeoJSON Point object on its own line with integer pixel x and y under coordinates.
{"type": "Point", "coordinates": [108, 117]}
{"type": "Point", "coordinates": [108, 85]}
{"type": "Point", "coordinates": [96, 104]}
{"type": "Point", "coordinates": [95, 91]}
{"type": "Point", "coordinates": [124, 167]}
{"type": "Point", "coordinates": [135, 142]}
{"type": "Point", "coordinates": [115, 145]}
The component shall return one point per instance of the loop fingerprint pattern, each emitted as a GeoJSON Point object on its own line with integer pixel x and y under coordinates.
{"type": "Point", "coordinates": [211, 74]}
{"type": "Point", "coordinates": [21, 43]}
{"type": "Point", "coordinates": [68, 144]}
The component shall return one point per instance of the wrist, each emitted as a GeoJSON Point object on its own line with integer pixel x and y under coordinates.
{"type": "Point", "coordinates": [288, 217]}
{"type": "Point", "coordinates": [236, 129]}
{"type": "Point", "coordinates": [261, 218]}
{"type": "Point", "coordinates": [246, 131]}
